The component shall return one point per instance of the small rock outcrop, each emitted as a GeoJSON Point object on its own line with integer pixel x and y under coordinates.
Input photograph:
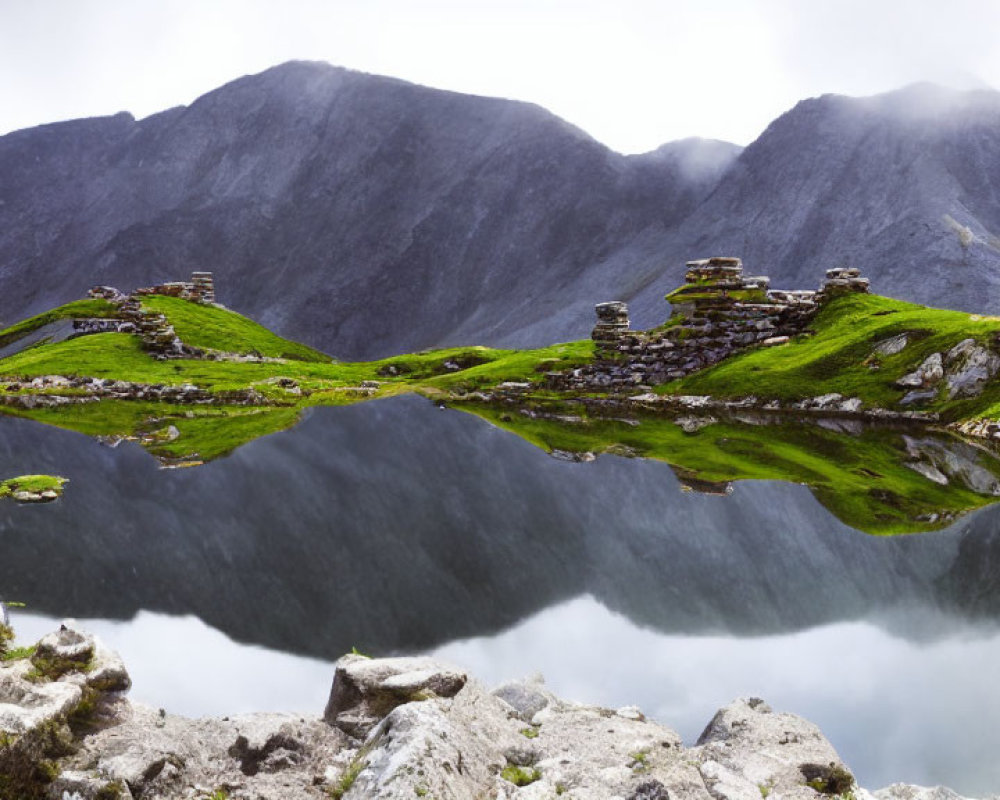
{"type": "Point", "coordinates": [962, 371]}
{"type": "Point", "coordinates": [394, 729]}
{"type": "Point", "coordinates": [365, 690]}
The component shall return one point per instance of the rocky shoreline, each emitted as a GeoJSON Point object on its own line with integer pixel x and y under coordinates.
{"type": "Point", "coordinates": [393, 728]}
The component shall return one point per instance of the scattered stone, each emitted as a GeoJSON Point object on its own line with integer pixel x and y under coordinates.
{"type": "Point", "coordinates": [690, 424]}
{"type": "Point", "coordinates": [720, 312]}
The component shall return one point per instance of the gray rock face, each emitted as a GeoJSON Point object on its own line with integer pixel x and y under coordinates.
{"type": "Point", "coordinates": [454, 742]}
{"type": "Point", "coordinates": [898, 185]}
{"type": "Point", "coordinates": [970, 367]}
{"type": "Point", "coordinates": [364, 215]}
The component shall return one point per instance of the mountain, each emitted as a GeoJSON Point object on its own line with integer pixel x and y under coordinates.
{"type": "Point", "coordinates": [362, 214]}
{"type": "Point", "coordinates": [902, 185]}
{"type": "Point", "coordinates": [369, 216]}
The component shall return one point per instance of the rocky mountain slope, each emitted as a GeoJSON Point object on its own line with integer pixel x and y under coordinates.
{"type": "Point", "coordinates": [901, 185]}
{"type": "Point", "coordinates": [367, 216]}
{"type": "Point", "coordinates": [363, 214]}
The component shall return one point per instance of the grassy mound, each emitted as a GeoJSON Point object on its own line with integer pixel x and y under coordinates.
{"type": "Point", "coordinates": [214, 328]}
{"type": "Point", "coordinates": [839, 356]}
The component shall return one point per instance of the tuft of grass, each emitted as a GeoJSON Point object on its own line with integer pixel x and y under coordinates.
{"type": "Point", "coordinates": [347, 779]}
{"type": "Point", "coordinates": [520, 776]}
{"type": "Point", "coordinates": [17, 653]}
{"type": "Point", "coordinates": [837, 357]}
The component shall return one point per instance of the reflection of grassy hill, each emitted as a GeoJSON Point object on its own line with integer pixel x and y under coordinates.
{"type": "Point", "coordinates": [865, 480]}
{"type": "Point", "coordinates": [871, 481]}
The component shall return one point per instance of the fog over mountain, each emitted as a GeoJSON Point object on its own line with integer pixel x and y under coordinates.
{"type": "Point", "coordinates": [367, 216]}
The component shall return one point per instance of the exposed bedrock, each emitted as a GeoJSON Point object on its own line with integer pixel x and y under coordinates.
{"type": "Point", "coordinates": [393, 728]}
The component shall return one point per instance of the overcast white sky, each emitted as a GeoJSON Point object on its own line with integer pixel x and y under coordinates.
{"type": "Point", "coordinates": [633, 73]}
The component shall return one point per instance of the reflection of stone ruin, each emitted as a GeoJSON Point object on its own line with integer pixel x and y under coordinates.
{"type": "Point", "coordinates": [157, 334]}
{"type": "Point", "coordinates": [717, 312]}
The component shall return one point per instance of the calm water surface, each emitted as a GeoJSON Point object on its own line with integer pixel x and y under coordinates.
{"type": "Point", "coordinates": [396, 527]}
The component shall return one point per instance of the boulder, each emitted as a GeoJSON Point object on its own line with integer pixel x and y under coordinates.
{"type": "Point", "coordinates": [365, 690]}
{"type": "Point", "coordinates": [970, 367]}
{"type": "Point", "coordinates": [748, 751]}
{"type": "Point", "coordinates": [927, 374]}
{"type": "Point", "coordinates": [526, 698]}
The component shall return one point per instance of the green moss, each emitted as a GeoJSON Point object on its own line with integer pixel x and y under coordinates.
{"type": "Point", "coordinates": [6, 637]}
{"type": "Point", "coordinates": [14, 653]}
{"type": "Point", "coordinates": [111, 791]}
{"type": "Point", "coordinates": [529, 733]}
{"type": "Point", "coordinates": [520, 776]}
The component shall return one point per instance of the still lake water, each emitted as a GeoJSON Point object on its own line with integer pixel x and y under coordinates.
{"type": "Point", "coordinates": [398, 527]}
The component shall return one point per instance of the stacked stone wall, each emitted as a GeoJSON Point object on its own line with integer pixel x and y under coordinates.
{"type": "Point", "coordinates": [718, 313]}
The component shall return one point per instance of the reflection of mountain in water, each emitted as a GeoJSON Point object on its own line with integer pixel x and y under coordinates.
{"type": "Point", "coordinates": [395, 525]}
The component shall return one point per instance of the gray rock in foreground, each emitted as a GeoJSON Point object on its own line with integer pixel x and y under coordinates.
{"type": "Point", "coordinates": [393, 728]}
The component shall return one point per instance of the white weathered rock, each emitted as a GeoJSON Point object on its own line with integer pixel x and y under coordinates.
{"type": "Point", "coordinates": [365, 690]}
{"type": "Point", "coordinates": [747, 746]}
{"type": "Point", "coordinates": [927, 374]}
{"type": "Point", "coordinates": [525, 698]}
{"type": "Point", "coordinates": [432, 733]}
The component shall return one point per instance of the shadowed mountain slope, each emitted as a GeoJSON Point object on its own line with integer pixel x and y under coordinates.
{"type": "Point", "coordinates": [368, 216]}
{"type": "Point", "coordinates": [362, 214]}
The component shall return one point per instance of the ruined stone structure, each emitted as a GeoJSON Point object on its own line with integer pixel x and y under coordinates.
{"type": "Point", "coordinates": [200, 289]}
{"type": "Point", "coordinates": [157, 334]}
{"type": "Point", "coordinates": [716, 313]}
{"type": "Point", "coordinates": [612, 323]}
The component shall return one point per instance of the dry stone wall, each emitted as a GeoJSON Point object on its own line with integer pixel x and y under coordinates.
{"type": "Point", "coordinates": [718, 312]}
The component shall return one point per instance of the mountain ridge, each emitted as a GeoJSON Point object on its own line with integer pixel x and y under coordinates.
{"type": "Point", "coordinates": [367, 215]}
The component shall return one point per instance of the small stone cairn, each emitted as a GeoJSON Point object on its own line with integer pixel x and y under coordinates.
{"type": "Point", "coordinates": [717, 312]}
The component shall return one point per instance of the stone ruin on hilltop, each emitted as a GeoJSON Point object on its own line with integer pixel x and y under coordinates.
{"type": "Point", "coordinates": [154, 330]}
{"type": "Point", "coordinates": [717, 312]}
